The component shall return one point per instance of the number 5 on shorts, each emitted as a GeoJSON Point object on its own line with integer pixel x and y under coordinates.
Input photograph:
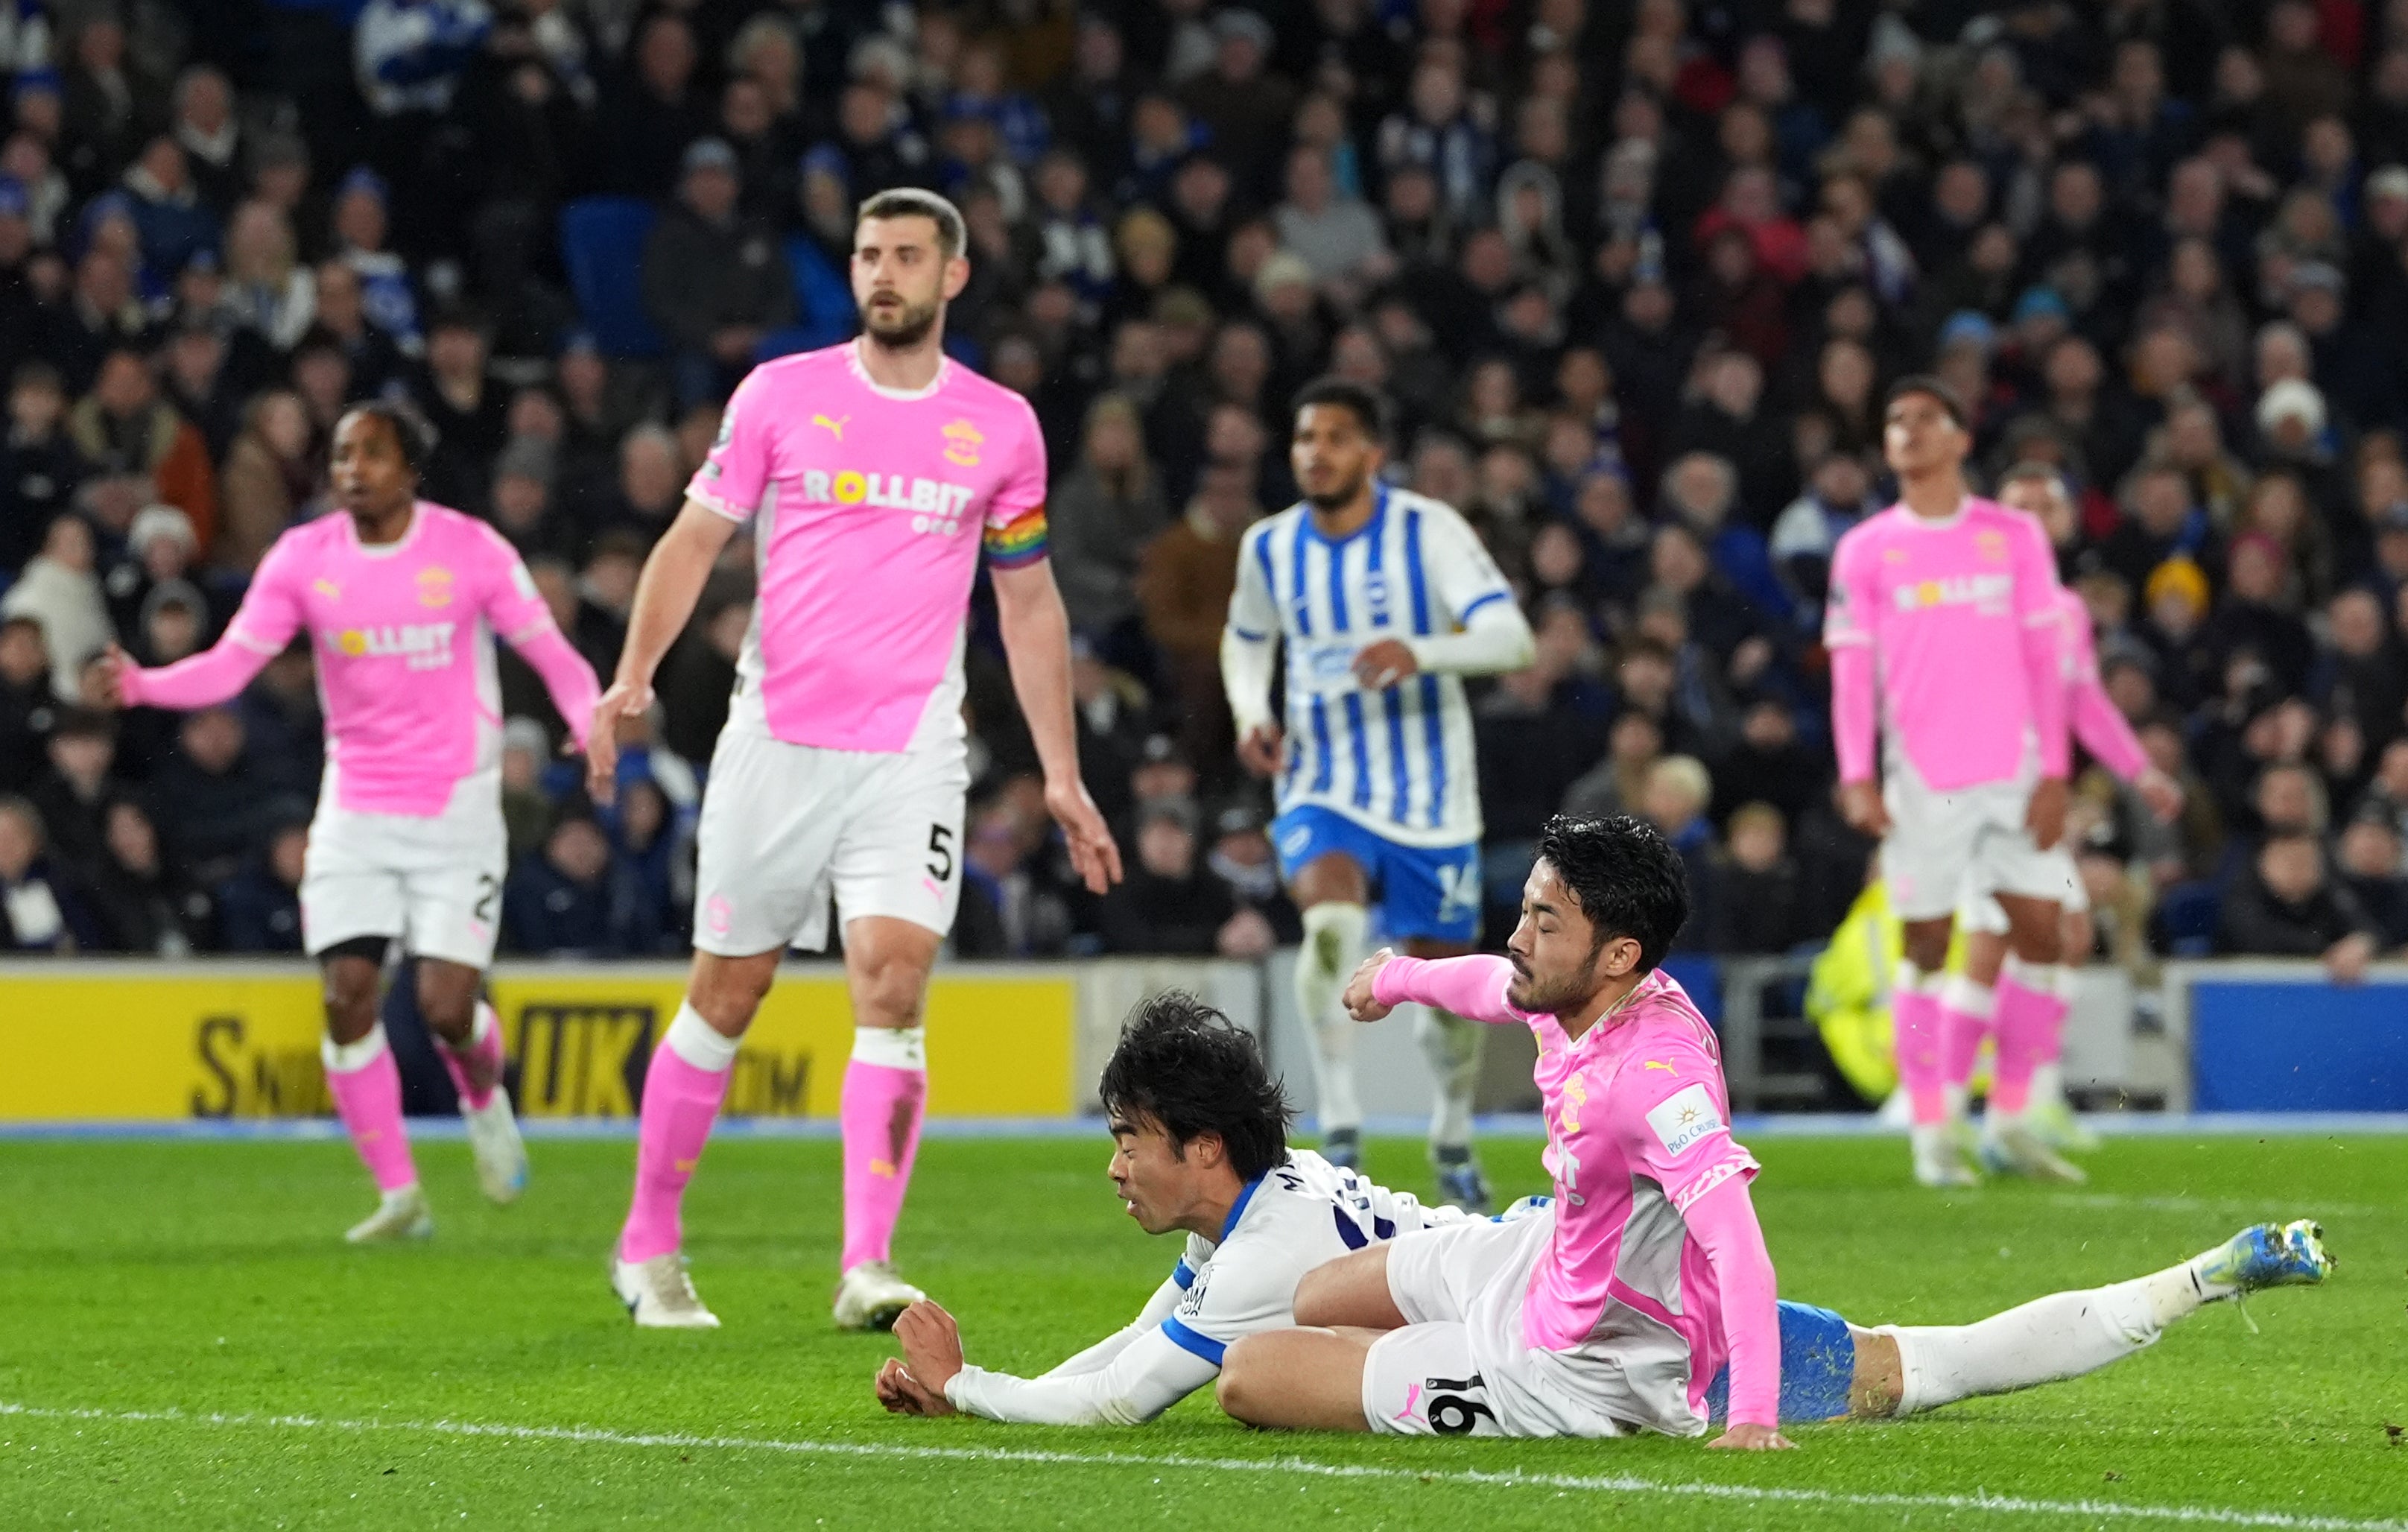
{"type": "Point", "coordinates": [941, 852]}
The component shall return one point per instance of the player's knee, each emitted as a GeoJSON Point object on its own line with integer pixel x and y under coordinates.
{"type": "Point", "coordinates": [1239, 1390]}
{"type": "Point", "coordinates": [892, 993]}
{"type": "Point", "coordinates": [727, 997]}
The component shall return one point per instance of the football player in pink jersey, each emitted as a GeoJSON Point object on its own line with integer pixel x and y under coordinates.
{"type": "Point", "coordinates": [2026, 1079]}
{"type": "Point", "coordinates": [401, 600]}
{"type": "Point", "coordinates": [1943, 627]}
{"type": "Point", "coordinates": [1642, 1299]}
{"type": "Point", "coordinates": [870, 475]}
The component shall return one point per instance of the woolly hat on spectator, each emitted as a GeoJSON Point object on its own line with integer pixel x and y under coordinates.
{"type": "Point", "coordinates": [1179, 811]}
{"type": "Point", "coordinates": [524, 733]}
{"type": "Point", "coordinates": [161, 522]}
{"type": "Point", "coordinates": [1285, 268]}
{"type": "Point", "coordinates": [2389, 181]}
{"type": "Point", "coordinates": [707, 154]}
{"type": "Point", "coordinates": [2315, 276]}
{"type": "Point", "coordinates": [1969, 327]}
{"type": "Point", "coordinates": [2178, 577]}
{"type": "Point", "coordinates": [2291, 399]}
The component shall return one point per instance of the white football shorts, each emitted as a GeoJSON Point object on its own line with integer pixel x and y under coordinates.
{"type": "Point", "coordinates": [1979, 909]}
{"type": "Point", "coordinates": [1460, 1368]}
{"type": "Point", "coordinates": [434, 882]}
{"type": "Point", "coordinates": [1943, 843]}
{"type": "Point", "coordinates": [786, 827]}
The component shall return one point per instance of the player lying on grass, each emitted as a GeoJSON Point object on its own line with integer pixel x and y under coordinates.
{"type": "Point", "coordinates": [1199, 1143]}
{"type": "Point", "coordinates": [1642, 1299]}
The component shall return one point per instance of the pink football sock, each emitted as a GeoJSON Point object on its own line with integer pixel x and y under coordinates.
{"type": "Point", "coordinates": [2029, 1014]}
{"type": "Point", "coordinates": [885, 1091]}
{"type": "Point", "coordinates": [681, 1097]}
{"type": "Point", "coordinates": [1966, 1010]}
{"type": "Point", "coordinates": [486, 1042]}
{"type": "Point", "coordinates": [1915, 1016]}
{"type": "Point", "coordinates": [367, 1089]}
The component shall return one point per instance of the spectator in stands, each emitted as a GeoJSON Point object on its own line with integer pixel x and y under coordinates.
{"type": "Point", "coordinates": [40, 465]}
{"type": "Point", "coordinates": [28, 704]}
{"type": "Point", "coordinates": [1007, 908]}
{"type": "Point", "coordinates": [38, 910]}
{"type": "Point", "coordinates": [1674, 800]}
{"type": "Point", "coordinates": [71, 796]}
{"type": "Point", "coordinates": [122, 426]}
{"type": "Point", "coordinates": [1103, 515]}
{"type": "Point", "coordinates": [1241, 857]}
{"type": "Point", "coordinates": [213, 800]}
{"type": "Point", "coordinates": [1168, 904]}
{"type": "Point", "coordinates": [259, 908]}
{"type": "Point", "coordinates": [1183, 581]}
{"type": "Point", "coordinates": [1759, 885]}
{"type": "Point", "coordinates": [558, 902]}
{"type": "Point", "coordinates": [2287, 905]}
{"type": "Point", "coordinates": [60, 591]}
{"type": "Point", "coordinates": [139, 903]}
{"type": "Point", "coordinates": [268, 477]}
{"type": "Point", "coordinates": [715, 282]}
{"type": "Point", "coordinates": [2371, 871]}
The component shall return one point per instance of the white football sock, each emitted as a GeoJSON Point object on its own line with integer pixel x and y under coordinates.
{"type": "Point", "coordinates": [2062, 1336]}
{"type": "Point", "coordinates": [1452, 1045]}
{"type": "Point", "coordinates": [1334, 935]}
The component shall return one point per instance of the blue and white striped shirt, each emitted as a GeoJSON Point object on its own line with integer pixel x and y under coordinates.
{"type": "Point", "coordinates": [1398, 761]}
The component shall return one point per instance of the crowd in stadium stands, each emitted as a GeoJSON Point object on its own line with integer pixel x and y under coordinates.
{"type": "Point", "coordinates": [1634, 275]}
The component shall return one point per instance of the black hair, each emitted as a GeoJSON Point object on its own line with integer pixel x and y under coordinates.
{"type": "Point", "coordinates": [1187, 1067]}
{"type": "Point", "coordinates": [1627, 877]}
{"type": "Point", "coordinates": [1931, 388]}
{"type": "Point", "coordinates": [952, 235]}
{"type": "Point", "coordinates": [1346, 394]}
{"type": "Point", "coordinates": [410, 431]}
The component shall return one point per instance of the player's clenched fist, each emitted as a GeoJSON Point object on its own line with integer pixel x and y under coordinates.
{"type": "Point", "coordinates": [1359, 1000]}
{"type": "Point", "coordinates": [932, 1347]}
{"type": "Point", "coordinates": [1861, 805]}
{"type": "Point", "coordinates": [903, 1395]}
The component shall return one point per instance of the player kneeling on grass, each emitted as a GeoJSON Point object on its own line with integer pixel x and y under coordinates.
{"type": "Point", "coordinates": [1644, 1297]}
{"type": "Point", "coordinates": [1199, 1143]}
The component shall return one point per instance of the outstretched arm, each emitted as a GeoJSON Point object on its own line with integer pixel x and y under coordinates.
{"type": "Point", "coordinates": [1036, 642]}
{"type": "Point", "coordinates": [1472, 987]}
{"type": "Point", "coordinates": [202, 681]}
{"type": "Point", "coordinates": [1146, 1377]}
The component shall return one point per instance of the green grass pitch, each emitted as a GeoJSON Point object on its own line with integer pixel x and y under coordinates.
{"type": "Point", "coordinates": [184, 1343]}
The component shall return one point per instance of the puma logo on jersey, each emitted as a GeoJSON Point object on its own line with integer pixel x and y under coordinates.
{"type": "Point", "coordinates": [835, 427]}
{"type": "Point", "coordinates": [1658, 1063]}
{"type": "Point", "coordinates": [328, 589]}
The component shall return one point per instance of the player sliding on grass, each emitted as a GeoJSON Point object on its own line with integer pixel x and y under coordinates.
{"type": "Point", "coordinates": [1199, 1143]}
{"type": "Point", "coordinates": [870, 475]}
{"type": "Point", "coordinates": [401, 600]}
{"type": "Point", "coordinates": [2029, 1082]}
{"type": "Point", "coordinates": [1642, 1299]}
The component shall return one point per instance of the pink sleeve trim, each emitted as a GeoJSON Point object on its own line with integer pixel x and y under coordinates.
{"type": "Point", "coordinates": [566, 676]}
{"type": "Point", "coordinates": [1722, 1220]}
{"type": "Point", "coordinates": [710, 502]}
{"type": "Point", "coordinates": [1471, 987]}
{"type": "Point", "coordinates": [1852, 711]}
{"type": "Point", "coordinates": [203, 680]}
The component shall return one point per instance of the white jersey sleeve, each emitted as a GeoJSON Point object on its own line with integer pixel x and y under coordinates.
{"type": "Point", "coordinates": [1249, 640]}
{"type": "Point", "coordinates": [1491, 634]}
{"type": "Point", "coordinates": [1144, 1377]}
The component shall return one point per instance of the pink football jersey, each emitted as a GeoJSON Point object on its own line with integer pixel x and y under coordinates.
{"type": "Point", "coordinates": [868, 507]}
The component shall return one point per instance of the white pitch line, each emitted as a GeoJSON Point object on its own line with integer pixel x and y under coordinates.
{"type": "Point", "coordinates": [2002, 1505]}
{"type": "Point", "coordinates": [2241, 1206]}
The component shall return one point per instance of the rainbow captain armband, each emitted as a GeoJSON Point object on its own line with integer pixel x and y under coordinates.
{"type": "Point", "coordinates": [1017, 541]}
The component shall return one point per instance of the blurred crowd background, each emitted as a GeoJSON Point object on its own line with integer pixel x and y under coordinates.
{"type": "Point", "coordinates": [1634, 275]}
